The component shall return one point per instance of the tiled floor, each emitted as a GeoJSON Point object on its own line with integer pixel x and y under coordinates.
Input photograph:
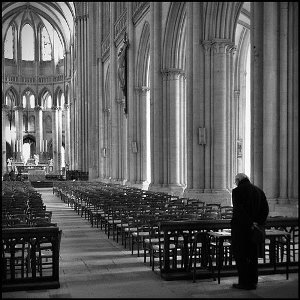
{"type": "Point", "coordinates": [93, 266]}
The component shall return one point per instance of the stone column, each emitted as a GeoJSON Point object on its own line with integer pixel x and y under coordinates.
{"type": "Point", "coordinates": [39, 131]}
{"type": "Point", "coordinates": [5, 110]}
{"type": "Point", "coordinates": [157, 163]}
{"type": "Point", "coordinates": [270, 100]}
{"type": "Point", "coordinates": [173, 122]}
{"type": "Point", "coordinates": [142, 161]}
{"type": "Point", "coordinates": [55, 139]}
{"type": "Point", "coordinates": [19, 130]}
{"type": "Point", "coordinates": [283, 83]}
{"type": "Point", "coordinates": [257, 84]}
{"type": "Point", "coordinates": [113, 147]}
{"type": "Point", "coordinates": [59, 138]}
{"type": "Point", "coordinates": [219, 115]}
{"type": "Point", "coordinates": [208, 117]}
{"type": "Point", "coordinates": [67, 135]}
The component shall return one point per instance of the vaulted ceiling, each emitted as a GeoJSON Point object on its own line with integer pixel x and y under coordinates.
{"type": "Point", "coordinates": [59, 15]}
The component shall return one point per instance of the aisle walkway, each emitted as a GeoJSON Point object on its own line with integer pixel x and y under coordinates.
{"type": "Point", "coordinates": [93, 266]}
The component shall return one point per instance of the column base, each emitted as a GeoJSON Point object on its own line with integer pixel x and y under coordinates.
{"type": "Point", "coordinates": [143, 185]}
{"type": "Point", "coordinates": [171, 189]}
{"type": "Point", "coordinates": [209, 195]}
{"type": "Point", "coordinates": [283, 207]}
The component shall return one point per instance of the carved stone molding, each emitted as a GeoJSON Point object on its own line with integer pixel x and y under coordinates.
{"type": "Point", "coordinates": [142, 89]}
{"type": "Point", "coordinates": [5, 107]}
{"type": "Point", "coordinates": [66, 106]}
{"type": "Point", "coordinates": [207, 45]}
{"type": "Point", "coordinates": [38, 108]}
{"type": "Point", "coordinates": [55, 108]}
{"type": "Point", "coordinates": [221, 46]}
{"type": "Point", "coordinates": [106, 110]}
{"type": "Point", "coordinates": [121, 101]}
{"type": "Point", "coordinates": [19, 108]}
{"type": "Point", "coordinates": [172, 74]}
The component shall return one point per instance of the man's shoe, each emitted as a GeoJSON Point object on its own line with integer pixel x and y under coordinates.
{"type": "Point", "coordinates": [243, 286]}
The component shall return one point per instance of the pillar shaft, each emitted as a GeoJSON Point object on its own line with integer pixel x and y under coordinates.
{"type": "Point", "coordinates": [157, 163]}
{"type": "Point", "coordinates": [219, 116]}
{"type": "Point", "coordinates": [270, 96]}
{"type": "Point", "coordinates": [55, 139]}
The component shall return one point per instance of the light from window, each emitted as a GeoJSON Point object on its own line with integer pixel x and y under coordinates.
{"type": "Point", "coordinates": [27, 43]}
{"type": "Point", "coordinates": [46, 45]}
{"type": "Point", "coordinates": [8, 44]}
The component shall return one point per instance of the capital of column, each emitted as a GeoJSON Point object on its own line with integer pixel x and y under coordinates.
{"type": "Point", "coordinates": [66, 106]}
{"type": "Point", "coordinates": [221, 46]}
{"type": "Point", "coordinates": [121, 101]}
{"type": "Point", "coordinates": [106, 110]}
{"type": "Point", "coordinates": [231, 49]}
{"type": "Point", "coordinates": [172, 73]}
{"type": "Point", "coordinates": [5, 107]}
{"type": "Point", "coordinates": [142, 89]}
{"type": "Point", "coordinates": [207, 45]}
{"type": "Point", "coordinates": [38, 108]}
{"type": "Point", "coordinates": [19, 108]}
{"type": "Point", "coordinates": [236, 93]}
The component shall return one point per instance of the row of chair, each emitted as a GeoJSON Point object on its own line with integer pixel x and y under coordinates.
{"type": "Point", "coordinates": [22, 206]}
{"type": "Point", "coordinates": [133, 216]}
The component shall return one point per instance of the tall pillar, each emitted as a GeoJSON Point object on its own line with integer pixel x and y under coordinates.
{"type": "Point", "coordinates": [5, 110]}
{"type": "Point", "coordinates": [55, 139]}
{"type": "Point", "coordinates": [173, 123]}
{"type": "Point", "coordinates": [270, 103]}
{"type": "Point", "coordinates": [93, 100]}
{"type": "Point", "coordinates": [208, 183]}
{"type": "Point", "coordinates": [219, 115]}
{"type": "Point", "coordinates": [19, 131]}
{"type": "Point", "coordinates": [142, 161]}
{"type": "Point", "coordinates": [113, 147]}
{"type": "Point", "coordinates": [257, 84]}
{"type": "Point", "coordinates": [283, 117]}
{"type": "Point", "coordinates": [67, 135]}
{"type": "Point", "coordinates": [157, 163]}
{"type": "Point", "coordinates": [59, 138]}
{"type": "Point", "coordinates": [39, 130]}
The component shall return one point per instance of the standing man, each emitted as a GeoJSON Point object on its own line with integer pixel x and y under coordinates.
{"type": "Point", "coordinates": [249, 205]}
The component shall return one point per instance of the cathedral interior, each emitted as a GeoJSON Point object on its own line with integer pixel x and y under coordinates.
{"type": "Point", "coordinates": [164, 97]}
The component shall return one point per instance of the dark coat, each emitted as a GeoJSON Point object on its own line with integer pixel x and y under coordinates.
{"type": "Point", "coordinates": [249, 205]}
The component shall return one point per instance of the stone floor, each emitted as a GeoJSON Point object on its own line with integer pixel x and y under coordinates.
{"type": "Point", "coordinates": [93, 266]}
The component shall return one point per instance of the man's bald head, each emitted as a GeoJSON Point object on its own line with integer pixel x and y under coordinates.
{"type": "Point", "coordinates": [239, 177]}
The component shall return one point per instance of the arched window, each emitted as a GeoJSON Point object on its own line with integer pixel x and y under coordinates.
{"type": "Point", "coordinates": [9, 43]}
{"type": "Point", "coordinates": [46, 100]}
{"type": "Point", "coordinates": [58, 48]}
{"type": "Point", "coordinates": [45, 45]}
{"type": "Point", "coordinates": [27, 43]}
{"type": "Point", "coordinates": [28, 100]}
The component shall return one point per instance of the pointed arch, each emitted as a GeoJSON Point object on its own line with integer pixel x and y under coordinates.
{"type": "Point", "coordinates": [57, 96]}
{"type": "Point", "coordinates": [143, 55]}
{"type": "Point", "coordinates": [45, 92]}
{"type": "Point", "coordinates": [174, 38]}
{"type": "Point", "coordinates": [13, 96]}
{"type": "Point", "coordinates": [220, 19]}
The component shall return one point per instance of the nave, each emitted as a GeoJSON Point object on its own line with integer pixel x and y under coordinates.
{"type": "Point", "coordinates": [93, 266]}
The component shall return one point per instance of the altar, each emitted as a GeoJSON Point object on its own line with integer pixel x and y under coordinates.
{"type": "Point", "coordinates": [36, 174]}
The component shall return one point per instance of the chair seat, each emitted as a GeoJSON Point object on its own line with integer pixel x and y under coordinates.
{"type": "Point", "coordinates": [140, 233]}
{"type": "Point", "coordinates": [114, 221]}
{"type": "Point", "coordinates": [156, 247]}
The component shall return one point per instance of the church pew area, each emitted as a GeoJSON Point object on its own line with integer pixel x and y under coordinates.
{"type": "Point", "coordinates": [142, 221]}
{"type": "Point", "coordinates": [30, 241]}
